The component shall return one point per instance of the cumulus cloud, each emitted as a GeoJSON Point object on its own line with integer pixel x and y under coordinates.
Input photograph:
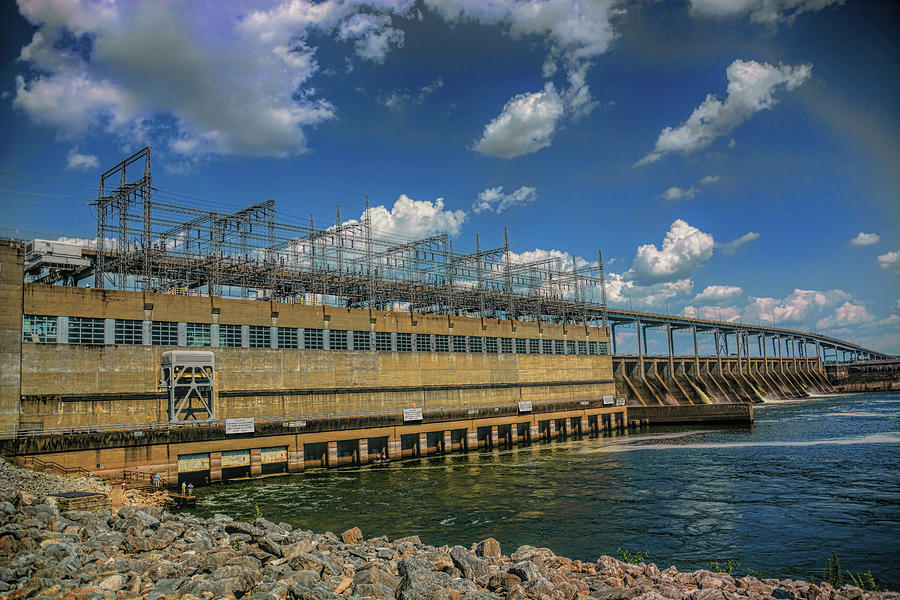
{"type": "Point", "coordinates": [76, 160]}
{"type": "Point", "coordinates": [709, 179]}
{"type": "Point", "coordinates": [195, 81]}
{"type": "Point", "coordinates": [751, 88]}
{"type": "Point", "coordinates": [410, 218]}
{"type": "Point", "coordinates": [524, 126]}
{"type": "Point", "coordinates": [373, 34]}
{"type": "Point", "coordinates": [578, 31]}
{"type": "Point", "coordinates": [760, 11]}
{"type": "Point", "coordinates": [718, 293]}
{"type": "Point", "coordinates": [732, 246]}
{"type": "Point", "coordinates": [677, 194]}
{"type": "Point", "coordinates": [581, 27]}
{"type": "Point", "coordinates": [889, 260]}
{"type": "Point", "coordinates": [494, 200]}
{"type": "Point", "coordinates": [846, 314]}
{"type": "Point", "coordinates": [683, 248]}
{"type": "Point", "coordinates": [726, 314]}
{"type": "Point", "coordinates": [865, 239]}
{"type": "Point", "coordinates": [797, 307]}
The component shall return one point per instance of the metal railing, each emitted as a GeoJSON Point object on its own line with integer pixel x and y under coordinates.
{"type": "Point", "coordinates": [287, 421]}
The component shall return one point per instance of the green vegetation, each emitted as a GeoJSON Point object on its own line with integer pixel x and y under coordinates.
{"type": "Point", "coordinates": [729, 568]}
{"type": "Point", "coordinates": [832, 572]}
{"type": "Point", "coordinates": [632, 557]}
{"type": "Point", "coordinates": [865, 581]}
{"type": "Point", "coordinates": [236, 544]}
{"type": "Point", "coordinates": [257, 513]}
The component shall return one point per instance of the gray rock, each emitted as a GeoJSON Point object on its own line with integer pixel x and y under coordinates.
{"type": "Point", "coordinates": [113, 583]}
{"type": "Point", "coordinates": [471, 566]}
{"type": "Point", "coordinates": [376, 575]}
{"type": "Point", "coordinates": [373, 590]}
{"type": "Point", "coordinates": [488, 547]}
{"type": "Point", "coordinates": [304, 578]}
{"type": "Point", "coordinates": [525, 570]}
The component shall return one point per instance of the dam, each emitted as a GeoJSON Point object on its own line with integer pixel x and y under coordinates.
{"type": "Point", "coordinates": [210, 346]}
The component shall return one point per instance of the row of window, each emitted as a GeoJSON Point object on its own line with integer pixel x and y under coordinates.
{"type": "Point", "coordinates": [85, 330]}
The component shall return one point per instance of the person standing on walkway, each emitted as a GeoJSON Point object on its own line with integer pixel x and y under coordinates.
{"type": "Point", "coordinates": [183, 489]}
{"type": "Point", "coordinates": [190, 489]}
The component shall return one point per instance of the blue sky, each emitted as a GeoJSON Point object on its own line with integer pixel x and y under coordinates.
{"type": "Point", "coordinates": [734, 159]}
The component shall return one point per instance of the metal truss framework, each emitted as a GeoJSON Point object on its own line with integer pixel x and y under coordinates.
{"type": "Point", "coordinates": [150, 244]}
{"type": "Point", "coordinates": [153, 244]}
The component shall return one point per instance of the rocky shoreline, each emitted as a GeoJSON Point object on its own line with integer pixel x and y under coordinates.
{"type": "Point", "coordinates": [147, 552]}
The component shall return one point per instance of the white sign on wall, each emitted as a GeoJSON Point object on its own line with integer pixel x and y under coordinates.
{"type": "Point", "coordinates": [525, 406]}
{"type": "Point", "coordinates": [608, 400]}
{"type": "Point", "coordinates": [620, 401]}
{"type": "Point", "coordinates": [412, 414]}
{"type": "Point", "coordinates": [244, 425]}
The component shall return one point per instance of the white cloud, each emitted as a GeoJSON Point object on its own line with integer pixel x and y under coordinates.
{"type": "Point", "coordinates": [889, 260]}
{"type": "Point", "coordinates": [677, 194]}
{"type": "Point", "coordinates": [373, 34]}
{"type": "Point", "coordinates": [493, 199]}
{"type": "Point", "coordinates": [525, 125]}
{"type": "Point", "coordinates": [732, 246]}
{"type": "Point", "coordinates": [797, 307]}
{"type": "Point", "coordinates": [397, 99]}
{"type": "Point", "coordinates": [410, 218]}
{"type": "Point", "coordinates": [760, 11]}
{"type": "Point", "coordinates": [76, 160]}
{"type": "Point", "coordinates": [709, 179]}
{"type": "Point", "coordinates": [846, 314]}
{"type": "Point", "coordinates": [727, 314]}
{"type": "Point", "coordinates": [581, 27]}
{"type": "Point", "coordinates": [683, 248]}
{"type": "Point", "coordinates": [751, 88]}
{"type": "Point", "coordinates": [718, 293]}
{"type": "Point", "coordinates": [190, 79]}
{"type": "Point", "coordinates": [865, 239]}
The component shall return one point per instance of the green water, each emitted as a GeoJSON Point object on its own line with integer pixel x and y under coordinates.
{"type": "Point", "coordinates": [810, 477]}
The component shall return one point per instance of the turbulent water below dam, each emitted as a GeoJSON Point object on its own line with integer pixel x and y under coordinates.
{"type": "Point", "coordinates": [810, 477]}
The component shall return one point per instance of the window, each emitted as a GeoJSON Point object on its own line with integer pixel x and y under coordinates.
{"type": "Point", "coordinates": [85, 330]}
{"type": "Point", "coordinates": [592, 348]}
{"type": "Point", "coordinates": [230, 336]}
{"type": "Point", "coordinates": [506, 345]}
{"type": "Point", "coordinates": [490, 345]}
{"type": "Point", "coordinates": [198, 334]}
{"type": "Point", "coordinates": [128, 331]}
{"type": "Point", "coordinates": [559, 346]}
{"type": "Point", "coordinates": [521, 346]}
{"type": "Point", "coordinates": [260, 336]}
{"type": "Point", "coordinates": [423, 342]}
{"type": "Point", "coordinates": [570, 346]}
{"type": "Point", "coordinates": [459, 343]}
{"type": "Point", "coordinates": [604, 349]}
{"type": "Point", "coordinates": [287, 337]}
{"type": "Point", "coordinates": [534, 346]}
{"type": "Point", "coordinates": [313, 339]}
{"type": "Point", "coordinates": [165, 333]}
{"type": "Point", "coordinates": [404, 342]}
{"type": "Point", "coordinates": [39, 328]}
{"type": "Point", "coordinates": [361, 340]}
{"type": "Point", "coordinates": [582, 347]}
{"type": "Point", "coordinates": [547, 346]}
{"type": "Point", "coordinates": [383, 340]}
{"type": "Point", "coordinates": [441, 343]}
{"type": "Point", "coordinates": [475, 344]}
{"type": "Point", "coordinates": [337, 340]}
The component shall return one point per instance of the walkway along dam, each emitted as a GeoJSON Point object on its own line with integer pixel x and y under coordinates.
{"type": "Point", "coordinates": [212, 346]}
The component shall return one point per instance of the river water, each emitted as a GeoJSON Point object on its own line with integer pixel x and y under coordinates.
{"type": "Point", "coordinates": [809, 477]}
